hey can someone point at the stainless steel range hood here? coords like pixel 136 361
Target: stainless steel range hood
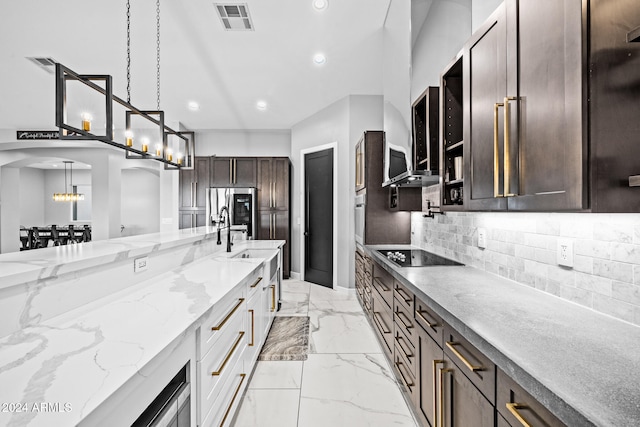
pixel 413 179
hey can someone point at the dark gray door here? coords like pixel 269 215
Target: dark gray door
pixel 318 231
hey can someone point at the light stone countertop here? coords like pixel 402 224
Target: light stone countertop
pixel 86 355
pixel 38 264
pixel 583 365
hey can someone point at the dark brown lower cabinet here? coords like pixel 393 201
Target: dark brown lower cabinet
pixel 274 225
pixel 449 382
pixel 382 318
pixel 517 407
pixel 462 404
pixel 430 358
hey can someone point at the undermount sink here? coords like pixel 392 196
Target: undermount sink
pixel 416 258
pixel 256 253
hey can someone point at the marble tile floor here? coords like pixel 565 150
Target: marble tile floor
pixel 345 381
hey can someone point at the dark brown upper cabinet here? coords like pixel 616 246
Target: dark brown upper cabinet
pixel 451 132
pixel 233 172
pixel 525 144
pixel 425 130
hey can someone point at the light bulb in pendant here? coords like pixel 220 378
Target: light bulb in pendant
pixel 145 144
pixel 128 138
pixel 86 122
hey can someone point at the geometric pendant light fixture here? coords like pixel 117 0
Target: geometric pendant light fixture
pixel 73 91
pixel 68 196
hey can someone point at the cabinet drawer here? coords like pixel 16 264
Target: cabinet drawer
pixel 406 374
pixel 383 284
pixel 254 283
pixel 220 320
pixel 519 407
pixel 429 321
pixel 470 361
pixel 403 295
pixel 221 411
pixel 407 350
pixel 218 363
pixel 382 319
pixel 403 320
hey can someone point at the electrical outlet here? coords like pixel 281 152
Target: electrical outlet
pixel 482 238
pixel 565 252
pixel 140 264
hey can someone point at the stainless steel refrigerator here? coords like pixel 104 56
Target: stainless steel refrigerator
pixel 241 203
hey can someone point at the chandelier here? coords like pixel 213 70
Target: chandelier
pixel 68 196
pixel 145 134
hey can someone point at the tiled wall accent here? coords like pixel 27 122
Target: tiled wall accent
pixel 523 248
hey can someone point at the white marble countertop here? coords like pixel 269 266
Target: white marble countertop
pixel 84 356
pixel 583 365
pixel 25 266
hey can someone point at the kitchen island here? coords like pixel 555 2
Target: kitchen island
pixel 581 365
pixel 92 333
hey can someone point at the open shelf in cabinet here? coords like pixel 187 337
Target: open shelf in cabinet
pixel 451 131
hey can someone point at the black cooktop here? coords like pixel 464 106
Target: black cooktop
pixel 416 258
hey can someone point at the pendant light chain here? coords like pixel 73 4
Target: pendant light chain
pixel 128 52
pixel 158 52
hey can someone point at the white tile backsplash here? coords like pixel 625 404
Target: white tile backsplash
pixel 522 247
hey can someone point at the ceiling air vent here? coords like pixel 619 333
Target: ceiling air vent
pixel 47 64
pixel 234 17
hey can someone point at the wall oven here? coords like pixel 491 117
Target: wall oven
pixel 360 209
pixel 241 203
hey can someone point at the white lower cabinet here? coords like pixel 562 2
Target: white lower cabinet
pixel 228 399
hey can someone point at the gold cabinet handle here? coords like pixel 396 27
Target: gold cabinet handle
pixel 451 346
pixel 228 356
pixel 507 140
pixel 228 316
pixel 513 408
pixel 404 379
pixel 235 171
pixel 273 297
pixel 404 295
pixel 381 285
pixel 258 280
pixel 380 322
pixel 496 155
pixel 252 327
pixel 233 399
pixel 230 171
pixel 420 314
pixel 441 394
pixel 400 340
pixel 195 194
pixel 436 395
pixel 273 194
pixel 406 323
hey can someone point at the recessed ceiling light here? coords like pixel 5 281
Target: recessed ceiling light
pixel 319 59
pixel 261 105
pixel 320 4
pixel 193 106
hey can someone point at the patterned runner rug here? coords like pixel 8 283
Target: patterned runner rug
pixel 288 339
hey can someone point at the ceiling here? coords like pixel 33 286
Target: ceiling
pixel 225 72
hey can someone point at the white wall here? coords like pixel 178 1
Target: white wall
pixel 442 35
pixel 140 201
pixel 481 9
pixel 32 197
pixel 342 122
pixel 241 143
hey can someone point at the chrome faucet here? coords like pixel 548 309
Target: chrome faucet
pixel 226 210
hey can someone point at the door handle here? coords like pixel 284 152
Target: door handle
pixel 496 155
pixel 507 140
